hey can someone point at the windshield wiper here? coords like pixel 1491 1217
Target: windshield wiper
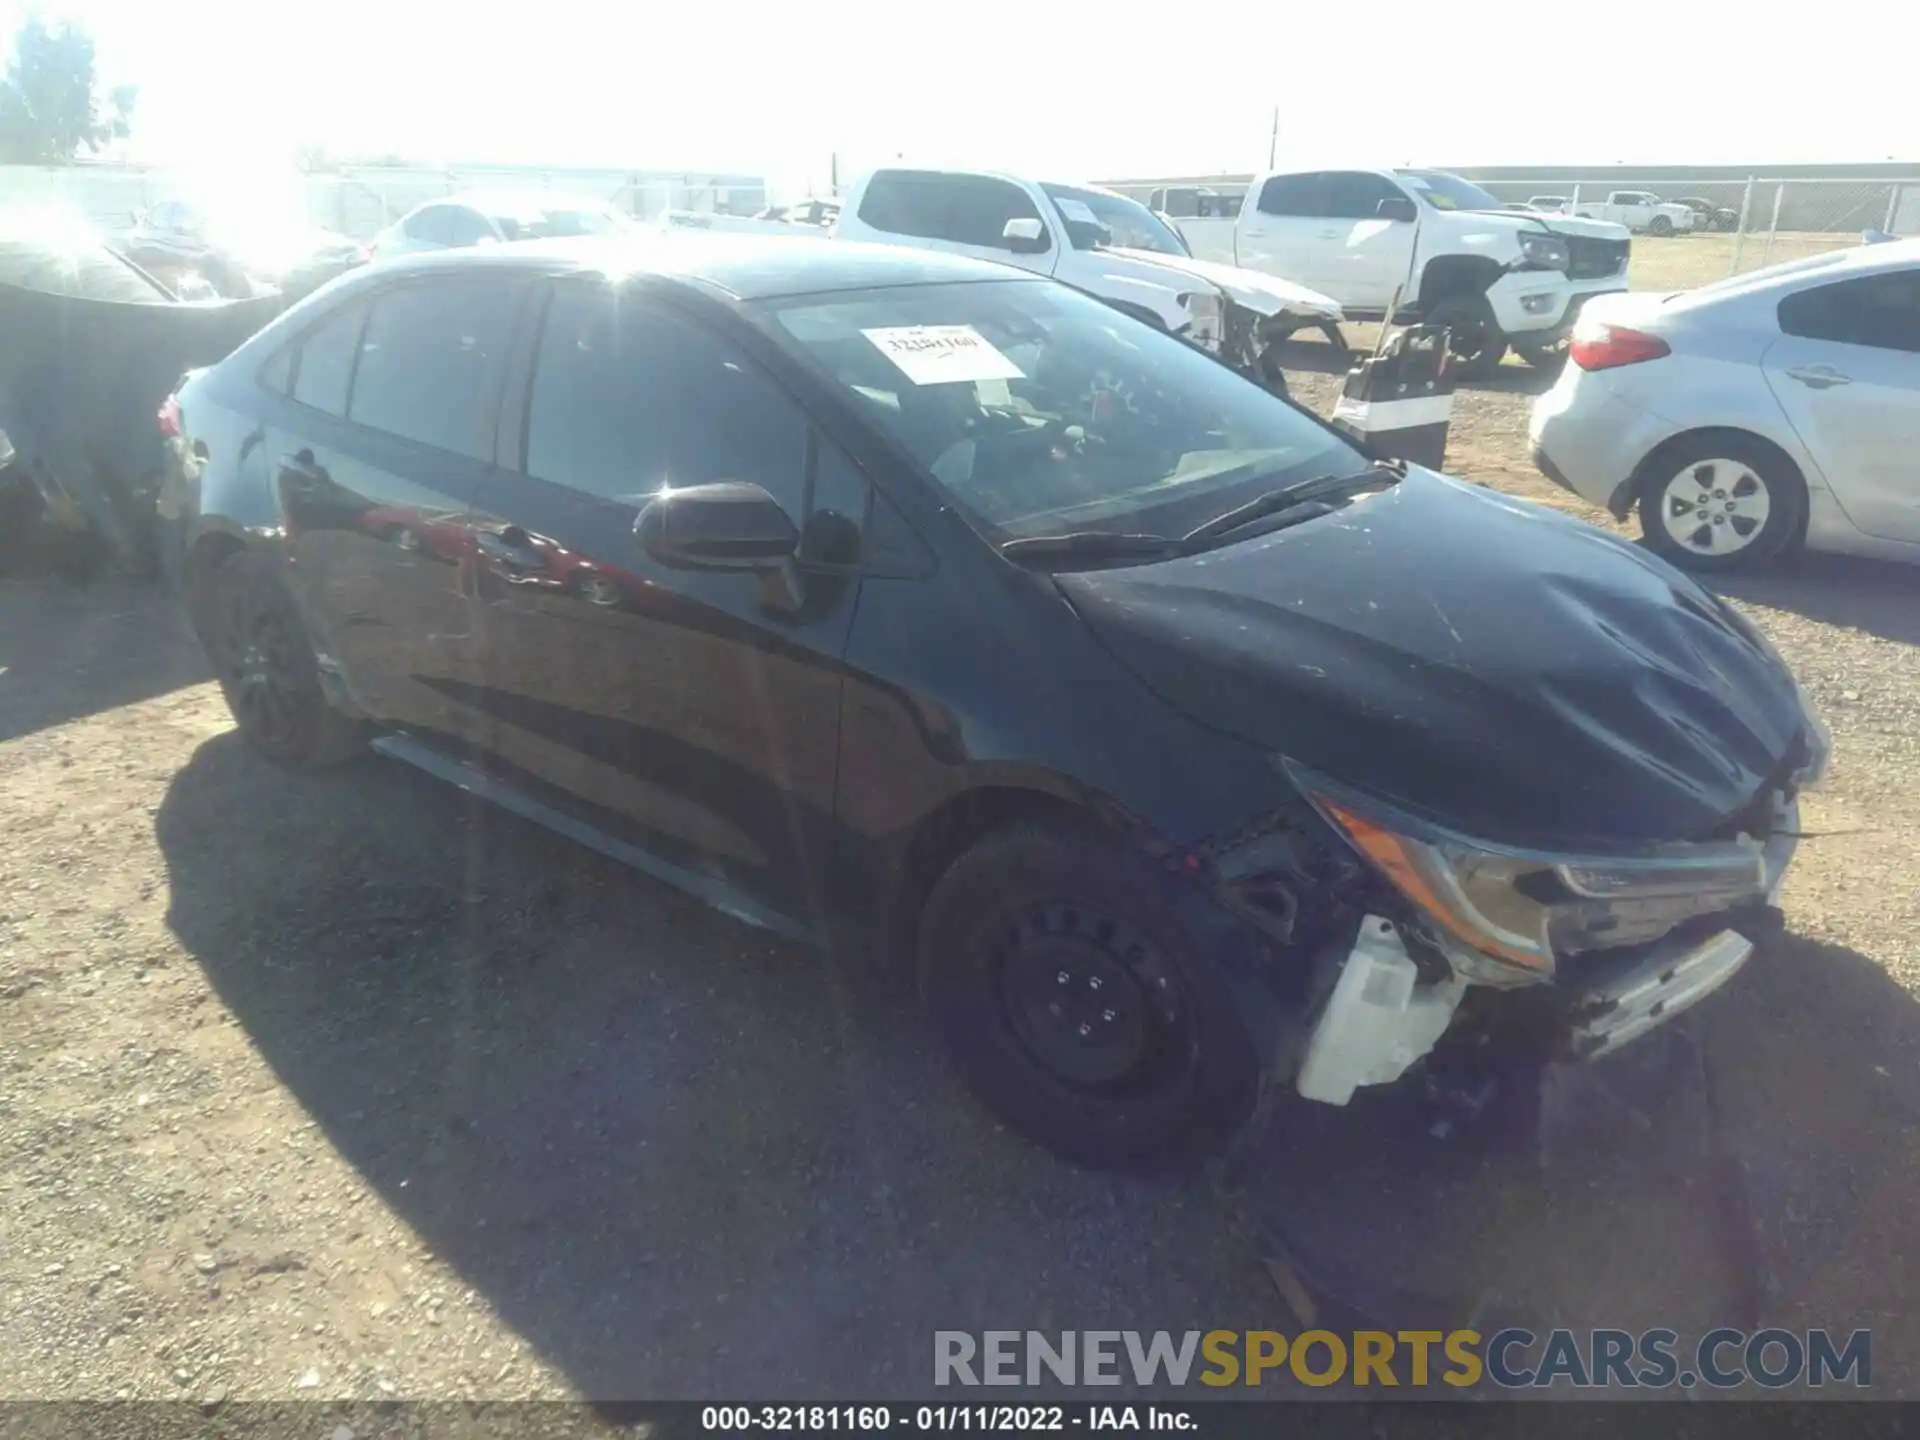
pixel 1090 545
pixel 1287 497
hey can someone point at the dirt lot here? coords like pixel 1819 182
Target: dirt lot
pixel 334 1086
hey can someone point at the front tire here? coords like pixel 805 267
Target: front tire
pixel 1076 1006
pixel 1476 342
pixel 1720 501
pixel 267 670
pixel 1660 225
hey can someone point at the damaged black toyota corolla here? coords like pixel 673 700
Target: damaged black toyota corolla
pixel 1183 749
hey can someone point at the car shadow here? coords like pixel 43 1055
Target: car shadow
pixel 1877 596
pixel 681 1158
pixel 69 650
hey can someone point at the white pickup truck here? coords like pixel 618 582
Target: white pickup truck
pixel 1097 241
pixel 1456 256
pixel 1640 211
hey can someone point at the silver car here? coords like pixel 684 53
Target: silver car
pixel 462 220
pixel 1751 416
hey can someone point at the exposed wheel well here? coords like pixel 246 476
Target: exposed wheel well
pixel 1629 494
pixel 944 835
pixel 1448 275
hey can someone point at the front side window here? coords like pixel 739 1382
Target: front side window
pixel 1447 192
pixel 629 396
pixel 1040 410
pixel 1096 221
pixel 1881 311
pixel 965 209
pixel 430 361
pixel 466 226
pixel 430 226
pixel 323 371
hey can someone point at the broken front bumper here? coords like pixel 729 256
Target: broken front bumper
pixel 1659 985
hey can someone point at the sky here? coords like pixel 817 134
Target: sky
pixel 1120 90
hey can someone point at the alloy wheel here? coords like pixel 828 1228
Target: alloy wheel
pixel 1715 507
pixel 259 664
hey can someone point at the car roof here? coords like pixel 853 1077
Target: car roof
pixel 739 266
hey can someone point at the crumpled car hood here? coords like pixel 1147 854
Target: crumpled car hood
pixel 1501 668
pixel 1265 294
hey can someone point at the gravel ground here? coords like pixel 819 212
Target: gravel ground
pixel 335 1087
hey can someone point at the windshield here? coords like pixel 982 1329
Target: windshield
pixel 1042 411
pixel 1448 192
pixel 1096 221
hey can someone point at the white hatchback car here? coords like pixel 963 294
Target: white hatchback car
pixel 1752 415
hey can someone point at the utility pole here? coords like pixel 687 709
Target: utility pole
pixel 1273 140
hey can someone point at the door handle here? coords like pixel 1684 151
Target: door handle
pixel 1818 377
pixel 1329 234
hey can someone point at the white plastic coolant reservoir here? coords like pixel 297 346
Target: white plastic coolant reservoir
pixel 1378 1020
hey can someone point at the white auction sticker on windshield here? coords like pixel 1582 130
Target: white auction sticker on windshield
pixel 1077 210
pixel 942 354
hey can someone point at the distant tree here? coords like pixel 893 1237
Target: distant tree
pixel 49 110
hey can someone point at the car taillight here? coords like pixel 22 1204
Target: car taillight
pixel 169 417
pixel 1602 347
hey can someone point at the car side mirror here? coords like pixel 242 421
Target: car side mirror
pixel 1025 236
pixel 729 525
pixel 1396 207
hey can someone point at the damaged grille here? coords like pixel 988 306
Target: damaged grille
pixel 1590 258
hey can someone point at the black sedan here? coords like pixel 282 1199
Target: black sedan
pixel 904 602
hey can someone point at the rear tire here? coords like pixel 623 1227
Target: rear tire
pixel 1476 343
pixel 253 634
pixel 1720 500
pixel 1076 1006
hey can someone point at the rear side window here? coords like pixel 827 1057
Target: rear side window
pixel 1292 195
pixel 966 209
pixel 430 363
pixel 628 397
pixel 323 370
pixel 1882 311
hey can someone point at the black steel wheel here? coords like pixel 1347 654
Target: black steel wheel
pixel 1076 1005
pixel 1475 342
pixel 254 637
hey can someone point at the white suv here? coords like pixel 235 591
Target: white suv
pixel 1094 240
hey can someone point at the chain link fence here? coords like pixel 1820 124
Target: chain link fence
pixel 1741 224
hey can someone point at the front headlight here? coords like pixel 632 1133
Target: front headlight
pixel 1548 252
pixel 1501 914
pixel 1206 318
